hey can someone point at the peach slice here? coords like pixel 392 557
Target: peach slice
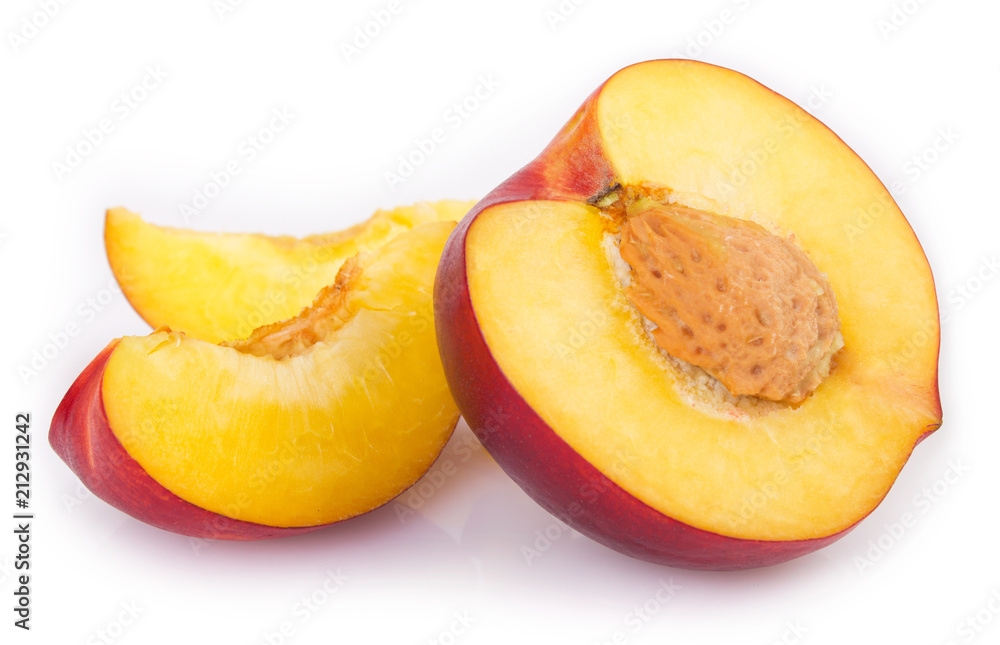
pixel 696 328
pixel 221 286
pixel 306 422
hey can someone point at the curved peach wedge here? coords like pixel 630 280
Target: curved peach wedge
pixel 221 286
pixel 696 328
pixel 306 422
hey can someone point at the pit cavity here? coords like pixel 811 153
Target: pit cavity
pixel 296 336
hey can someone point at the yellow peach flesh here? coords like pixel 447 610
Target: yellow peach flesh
pixel 324 433
pixel 782 473
pixel 222 286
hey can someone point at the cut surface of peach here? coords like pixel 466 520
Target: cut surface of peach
pixel 312 420
pixel 696 327
pixel 642 417
pixel 222 286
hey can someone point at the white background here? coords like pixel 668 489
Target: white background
pixel 889 93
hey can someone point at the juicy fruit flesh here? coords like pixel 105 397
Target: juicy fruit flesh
pixel 309 438
pixel 746 306
pixel 572 346
pixel 810 183
pixel 222 286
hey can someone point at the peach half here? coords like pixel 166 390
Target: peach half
pixel 306 422
pixel 221 286
pixel 696 328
